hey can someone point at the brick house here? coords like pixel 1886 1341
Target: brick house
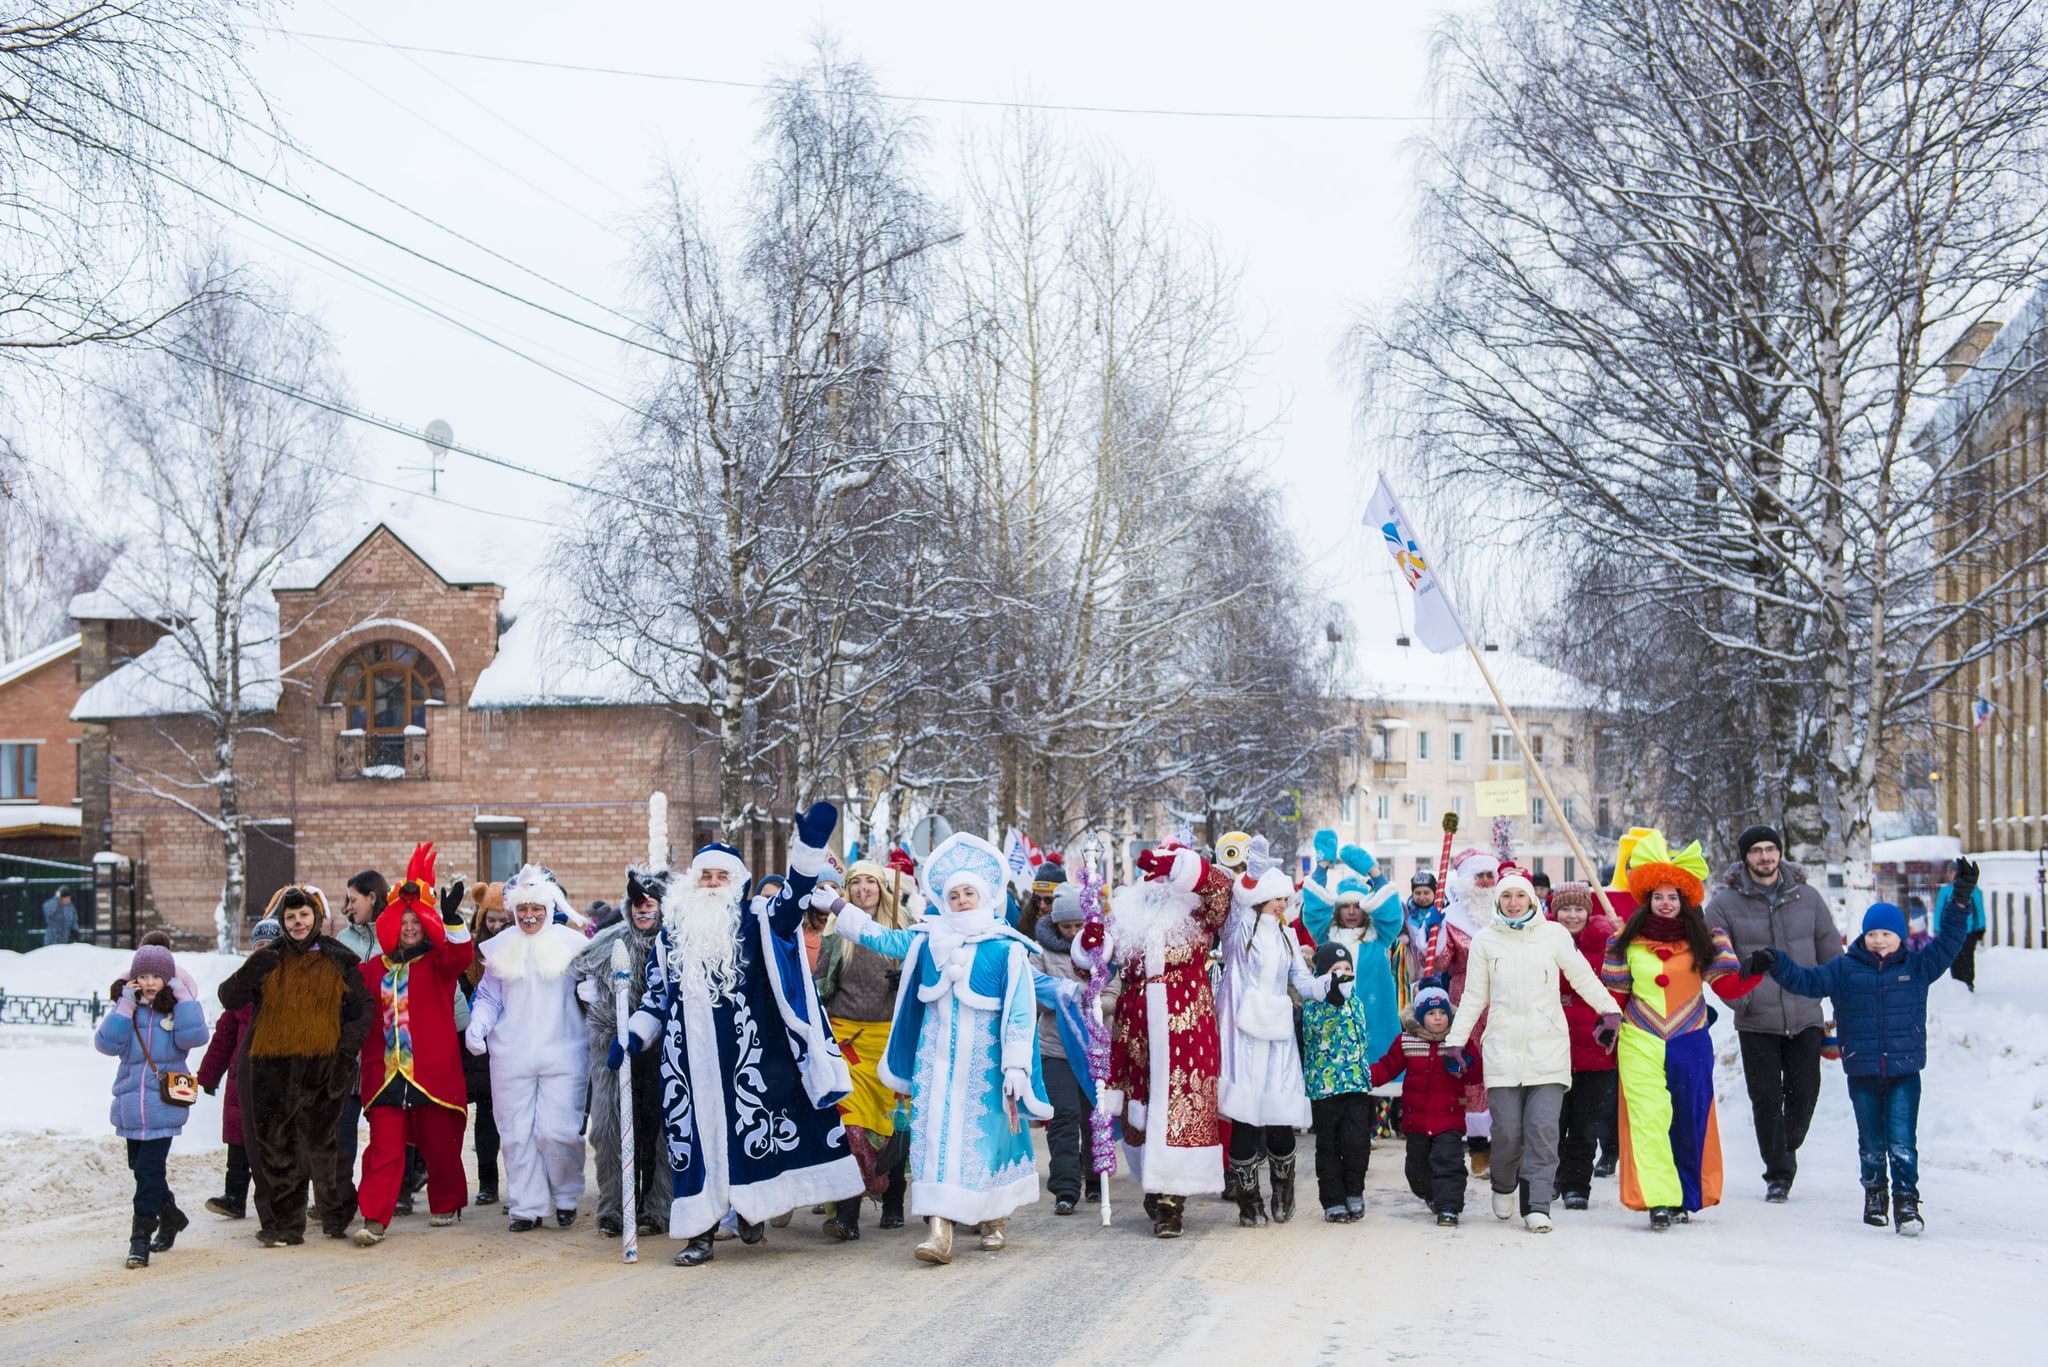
pixel 415 695
pixel 39 753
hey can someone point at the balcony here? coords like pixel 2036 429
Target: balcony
pixel 380 756
pixel 1387 771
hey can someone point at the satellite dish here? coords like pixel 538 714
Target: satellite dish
pixel 440 436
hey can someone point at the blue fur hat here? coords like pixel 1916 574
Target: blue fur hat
pixel 1326 846
pixel 719 855
pixel 1885 916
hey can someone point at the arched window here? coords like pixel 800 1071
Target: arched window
pixel 384 691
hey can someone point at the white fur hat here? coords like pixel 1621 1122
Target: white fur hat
pixel 1270 886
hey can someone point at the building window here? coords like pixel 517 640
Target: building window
pixel 500 847
pixel 1502 748
pixel 1536 864
pixel 1422 808
pixel 1571 810
pixel 18 770
pixel 1571 869
pixel 1348 809
pixel 1539 812
pixel 1457 747
pixel 1422 745
pixel 1571 749
pixel 384 691
pixel 1458 806
pixel 1384 809
pixel 1536 746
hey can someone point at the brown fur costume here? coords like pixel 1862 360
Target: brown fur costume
pixel 297 1066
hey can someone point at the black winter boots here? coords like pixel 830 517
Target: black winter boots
pixel 139 1231
pixel 1876 1207
pixel 1283 1188
pixel 1244 1180
pixel 170 1224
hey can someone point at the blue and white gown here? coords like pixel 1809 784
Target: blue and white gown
pixel 966 1011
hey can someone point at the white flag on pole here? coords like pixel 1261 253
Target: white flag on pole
pixel 1017 857
pixel 1436 625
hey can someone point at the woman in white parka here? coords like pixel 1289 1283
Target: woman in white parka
pixel 1259 1087
pixel 1513 975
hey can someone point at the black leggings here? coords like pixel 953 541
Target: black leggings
pixel 1245 1141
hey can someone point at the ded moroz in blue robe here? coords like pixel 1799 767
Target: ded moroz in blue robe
pixel 750 1084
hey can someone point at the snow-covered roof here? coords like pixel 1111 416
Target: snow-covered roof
pixel 23 665
pixel 536 666
pixel 1412 673
pixel 164 681
pixel 1916 849
pixel 454 547
pixel 17 820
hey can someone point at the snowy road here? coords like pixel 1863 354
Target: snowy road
pixel 1746 1282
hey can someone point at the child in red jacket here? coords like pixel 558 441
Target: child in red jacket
pixel 1432 1105
pixel 1589 1107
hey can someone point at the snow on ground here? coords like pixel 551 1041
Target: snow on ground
pixel 1748 1282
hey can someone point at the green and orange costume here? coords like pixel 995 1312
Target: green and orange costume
pixel 1670 1139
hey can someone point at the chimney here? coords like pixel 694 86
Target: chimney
pixel 1963 355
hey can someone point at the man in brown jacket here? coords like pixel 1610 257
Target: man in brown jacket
pixel 1763 900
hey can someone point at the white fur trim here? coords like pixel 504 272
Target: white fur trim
pixel 719 859
pixel 1187 870
pixel 798 1188
pixel 644 1027
pixel 1271 886
pixel 805 860
pixel 458 934
pixel 1168 1171
pixel 1110 1100
pixel 1135 1116
pixel 965 1206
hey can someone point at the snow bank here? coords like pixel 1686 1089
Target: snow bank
pixel 88 970
pixel 1984 1094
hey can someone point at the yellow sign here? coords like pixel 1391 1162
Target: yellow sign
pixel 1503 797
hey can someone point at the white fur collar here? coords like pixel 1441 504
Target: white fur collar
pixel 548 954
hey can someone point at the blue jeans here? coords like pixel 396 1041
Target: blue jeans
pixel 1887 1127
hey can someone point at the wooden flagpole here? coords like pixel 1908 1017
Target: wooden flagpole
pixel 1536 767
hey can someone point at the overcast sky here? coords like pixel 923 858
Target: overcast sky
pixel 549 167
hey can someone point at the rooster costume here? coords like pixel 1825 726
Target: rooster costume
pixel 1164 1052
pixel 414 1091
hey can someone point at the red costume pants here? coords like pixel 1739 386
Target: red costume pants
pixel 436 1132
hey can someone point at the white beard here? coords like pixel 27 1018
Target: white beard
pixel 1152 914
pixel 703 927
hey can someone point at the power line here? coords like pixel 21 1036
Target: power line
pixel 1033 105
pixel 335 470
pixel 346 410
pixel 578 167
pixel 465 145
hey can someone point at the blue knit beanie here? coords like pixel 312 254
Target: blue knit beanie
pixel 1430 999
pixel 1885 916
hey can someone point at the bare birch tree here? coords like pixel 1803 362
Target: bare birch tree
pixel 1691 275
pixel 226 480
pixel 750 554
pixel 99 104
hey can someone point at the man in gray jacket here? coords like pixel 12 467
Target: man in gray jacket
pixel 60 919
pixel 1762 901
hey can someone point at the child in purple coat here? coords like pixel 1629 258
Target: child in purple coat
pixel 155 1022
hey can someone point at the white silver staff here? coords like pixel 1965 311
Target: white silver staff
pixel 622 979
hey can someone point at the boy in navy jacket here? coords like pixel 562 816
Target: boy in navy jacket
pixel 1880 992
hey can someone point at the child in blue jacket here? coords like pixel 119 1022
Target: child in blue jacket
pixel 1879 989
pixel 154 1024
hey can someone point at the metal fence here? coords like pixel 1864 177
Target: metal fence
pixel 106 896
pixel 2015 919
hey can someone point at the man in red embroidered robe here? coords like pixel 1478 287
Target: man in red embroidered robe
pixel 1164 1053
